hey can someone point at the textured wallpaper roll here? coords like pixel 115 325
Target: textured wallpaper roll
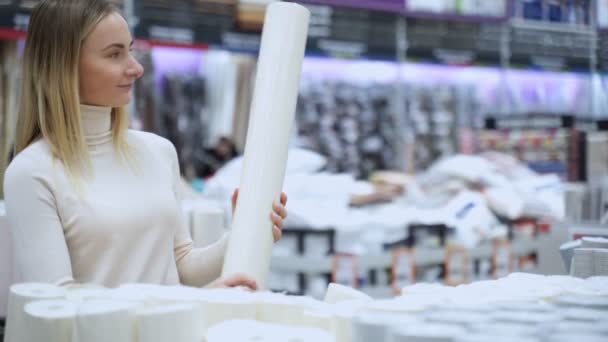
pixel 103 321
pixel 19 296
pixel 272 116
pixel 49 320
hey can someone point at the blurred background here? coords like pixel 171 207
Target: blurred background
pixel 435 140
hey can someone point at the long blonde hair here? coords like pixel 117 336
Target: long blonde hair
pixel 50 101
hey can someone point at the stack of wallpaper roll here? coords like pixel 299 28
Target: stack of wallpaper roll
pixel 586 257
pixel 520 307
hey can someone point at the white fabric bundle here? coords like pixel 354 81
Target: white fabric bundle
pixel 20 295
pixel 49 321
pixel 505 201
pixel 252 331
pixel 175 323
pixel 338 293
pixel 104 320
pixel 272 115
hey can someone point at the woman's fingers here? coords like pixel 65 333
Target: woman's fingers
pixel 277 220
pixel 276 233
pixel 240 280
pixel 279 210
pixel 235 196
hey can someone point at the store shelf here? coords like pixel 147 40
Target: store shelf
pixel 546 26
pixel 423 257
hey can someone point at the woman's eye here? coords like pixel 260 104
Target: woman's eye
pixel 115 55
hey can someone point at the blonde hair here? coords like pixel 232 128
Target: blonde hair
pixel 50 101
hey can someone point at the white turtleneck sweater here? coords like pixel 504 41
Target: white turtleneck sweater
pixel 125 226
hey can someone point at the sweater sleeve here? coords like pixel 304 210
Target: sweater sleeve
pixel 195 266
pixel 39 245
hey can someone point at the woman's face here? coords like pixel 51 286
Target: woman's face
pixel 107 69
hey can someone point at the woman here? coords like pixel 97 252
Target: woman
pixel 88 200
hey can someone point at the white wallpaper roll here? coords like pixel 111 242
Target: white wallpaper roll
pixel 223 305
pixel 319 319
pixel 338 293
pixel 281 309
pixel 426 333
pixel 49 321
pixel 105 320
pixel 207 225
pixel 272 116
pixel 253 331
pixel 174 323
pixel 19 296
pixel 81 295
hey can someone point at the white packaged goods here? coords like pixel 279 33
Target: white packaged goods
pixel 272 115
pixel 520 307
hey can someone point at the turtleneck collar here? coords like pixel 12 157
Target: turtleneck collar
pixel 97 124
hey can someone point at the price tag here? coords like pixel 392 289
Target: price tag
pixel 502 260
pixel 403 268
pixel 456 265
pixel 344 270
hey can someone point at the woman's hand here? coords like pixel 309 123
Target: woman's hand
pixel 235 280
pixel 277 215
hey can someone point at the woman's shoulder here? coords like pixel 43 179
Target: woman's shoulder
pixel 152 142
pixel 32 161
